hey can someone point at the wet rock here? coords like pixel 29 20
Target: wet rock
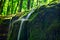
pixel 46 25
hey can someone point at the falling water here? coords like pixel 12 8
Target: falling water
pixel 26 17
pixel 22 21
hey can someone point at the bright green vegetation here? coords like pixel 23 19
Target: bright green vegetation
pixel 10 8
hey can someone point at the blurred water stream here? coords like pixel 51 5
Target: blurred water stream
pixel 22 21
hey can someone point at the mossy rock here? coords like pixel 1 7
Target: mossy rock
pixel 46 25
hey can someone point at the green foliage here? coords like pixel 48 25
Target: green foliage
pixel 10 7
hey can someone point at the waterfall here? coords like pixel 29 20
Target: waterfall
pixel 20 29
pixel 21 24
pixel 22 21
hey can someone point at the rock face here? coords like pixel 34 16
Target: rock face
pixel 46 25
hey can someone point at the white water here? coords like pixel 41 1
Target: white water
pixel 21 24
pixel 26 17
pixel 20 30
pixel 22 21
